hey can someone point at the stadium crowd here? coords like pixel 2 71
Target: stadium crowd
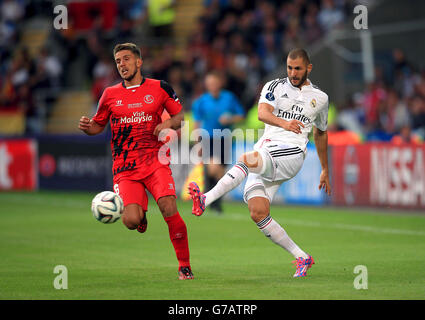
pixel 392 108
pixel 246 40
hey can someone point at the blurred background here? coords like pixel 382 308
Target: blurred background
pixel 375 79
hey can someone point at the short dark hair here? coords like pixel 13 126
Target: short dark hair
pixel 299 53
pixel 128 46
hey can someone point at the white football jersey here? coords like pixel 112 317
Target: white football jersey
pixel 308 105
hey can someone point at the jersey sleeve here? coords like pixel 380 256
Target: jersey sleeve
pixel 321 121
pixel 103 111
pixel 171 101
pixel 267 94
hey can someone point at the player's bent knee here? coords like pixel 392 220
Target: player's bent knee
pixel 258 210
pixel 258 215
pixel 131 216
pixel 167 205
pixel 249 158
pixel 130 222
pixel 252 160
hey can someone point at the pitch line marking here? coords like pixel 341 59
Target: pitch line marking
pixel 15 198
pixel 339 226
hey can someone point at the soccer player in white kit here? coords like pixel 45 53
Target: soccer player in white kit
pixel 290 108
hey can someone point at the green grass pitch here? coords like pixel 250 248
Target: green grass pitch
pixel 230 257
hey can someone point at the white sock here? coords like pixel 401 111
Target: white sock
pixel 278 235
pixel 228 182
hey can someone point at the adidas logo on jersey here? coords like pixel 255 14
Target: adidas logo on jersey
pixel 285 96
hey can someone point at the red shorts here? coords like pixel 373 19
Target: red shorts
pixel 159 183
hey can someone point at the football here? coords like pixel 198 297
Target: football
pixel 107 207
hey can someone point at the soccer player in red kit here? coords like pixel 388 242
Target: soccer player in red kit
pixel 134 108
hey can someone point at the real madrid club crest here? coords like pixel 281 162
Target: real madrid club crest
pixel 313 103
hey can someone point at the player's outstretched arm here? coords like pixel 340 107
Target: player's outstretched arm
pixel 321 140
pixel 265 114
pixel 89 127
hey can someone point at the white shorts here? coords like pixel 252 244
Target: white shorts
pixel 281 162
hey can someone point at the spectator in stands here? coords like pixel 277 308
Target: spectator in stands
pixel 20 73
pixel 216 54
pixel 209 18
pixel 393 113
pixel 11 13
pixel 161 17
pixel 417 111
pixel 312 30
pixel 404 77
pixel 243 39
pixel 247 27
pixel 12 10
pixel 268 52
pixel 420 85
pixel 227 26
pixel 175 79
pixel 7 34
pixel 338 136
pixel 135 10
pixel 400 63
pixel 406 136
pixel 7 93
pixel 104 75
pixel 137 14
pixel 164 61
pixel 235 7
pixel 372 98
pixel 48 70
pixel 329 15
pixel 350 115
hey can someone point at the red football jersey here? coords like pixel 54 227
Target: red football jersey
pixel 133 113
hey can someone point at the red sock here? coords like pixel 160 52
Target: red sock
pixel 178 236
